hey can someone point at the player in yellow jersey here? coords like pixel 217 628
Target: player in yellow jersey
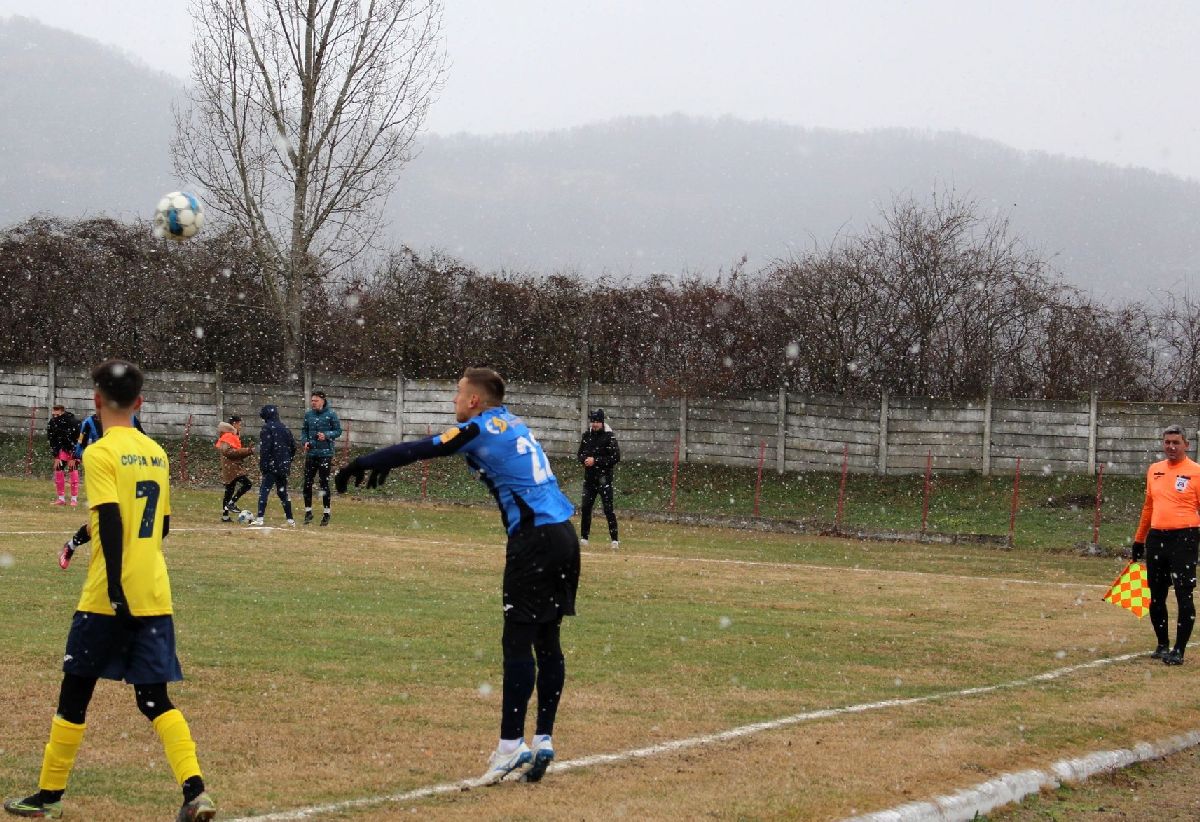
pixel 122 628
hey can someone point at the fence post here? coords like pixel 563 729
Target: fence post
pixel 183 451
pixel 1093 422
pixel 681 442
pixel 837 525
pixel 219 392
pixel 400 407
pixel 781 433
pixel 308 385
pixel 883 433
pixel 987 435
pixel 762 456
pixel 1099 498
pixel 29 451
pixel 928 483
pixel 425 466
pixel 1016 494
pixel 584 401
pixel 674 473
pixel 52 383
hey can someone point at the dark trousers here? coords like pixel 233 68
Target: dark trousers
pixel 597 482
pixel 1171 563
pixel 315 467
pixel 279 482
pixel 234 491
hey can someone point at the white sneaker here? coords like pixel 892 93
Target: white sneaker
pixel 291 523
pixel 582 541
pixel 507 766
pixel 543 755
pixel 256 521
pixel 615 545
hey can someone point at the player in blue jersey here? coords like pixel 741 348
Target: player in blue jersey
pixel 541 569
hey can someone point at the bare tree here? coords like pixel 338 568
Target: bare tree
pixel 303 112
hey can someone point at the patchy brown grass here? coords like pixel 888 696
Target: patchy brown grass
pixel 327 665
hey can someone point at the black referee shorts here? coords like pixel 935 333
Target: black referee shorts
pixel 541 573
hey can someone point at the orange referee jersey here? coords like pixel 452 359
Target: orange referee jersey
pixel 1172 498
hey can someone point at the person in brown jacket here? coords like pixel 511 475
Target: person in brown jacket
pixel 233 473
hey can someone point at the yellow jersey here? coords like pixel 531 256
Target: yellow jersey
pixel 128 468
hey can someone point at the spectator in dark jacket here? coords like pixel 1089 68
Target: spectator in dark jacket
pixel 599 454
pixel 61 431
pixel 276 448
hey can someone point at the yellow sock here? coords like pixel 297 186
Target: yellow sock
pixel 177 744
pixel 59 757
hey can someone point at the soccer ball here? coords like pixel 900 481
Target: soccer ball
pixel 245 517
pixel 179 216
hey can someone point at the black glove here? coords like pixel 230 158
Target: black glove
pixel 355 471
pixel 1139 551
pixel 121 608
pixel 341 480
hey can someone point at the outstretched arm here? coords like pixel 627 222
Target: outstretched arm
pixel 380 462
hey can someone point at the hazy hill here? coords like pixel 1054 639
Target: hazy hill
pixel 85 131
pixel 663 194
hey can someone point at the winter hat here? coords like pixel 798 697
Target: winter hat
pixel 235 418
pixel 597 415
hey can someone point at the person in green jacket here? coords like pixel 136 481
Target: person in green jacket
pixel 321 427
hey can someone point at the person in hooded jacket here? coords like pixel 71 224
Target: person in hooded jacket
pixel 233 472
pixel 62 430
pixel 276 448
pixel 599 454
pixel 321 427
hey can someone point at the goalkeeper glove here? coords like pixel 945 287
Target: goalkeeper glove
pixel 355 471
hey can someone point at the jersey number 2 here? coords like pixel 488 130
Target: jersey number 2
pixel 537 458
pixel 149 490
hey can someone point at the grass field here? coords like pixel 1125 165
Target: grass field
pixel 362 662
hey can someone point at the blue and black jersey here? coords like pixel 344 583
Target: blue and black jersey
pixel 91 429
pixel 503 454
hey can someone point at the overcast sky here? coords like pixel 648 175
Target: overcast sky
pixel 1110 81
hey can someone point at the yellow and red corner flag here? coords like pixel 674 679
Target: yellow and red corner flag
pixel 1130 591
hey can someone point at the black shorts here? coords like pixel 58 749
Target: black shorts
pixel 100 647
pixel 541 573
pixel 1171 558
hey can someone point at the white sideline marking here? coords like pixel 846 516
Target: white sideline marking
pixel 749 563
pixel 967 803
pixel 700 741
pixel 809 567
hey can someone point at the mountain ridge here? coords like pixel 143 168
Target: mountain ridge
pixel 633 197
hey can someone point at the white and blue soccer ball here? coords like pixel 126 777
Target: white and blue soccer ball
pixel 245 517
pixel 179 216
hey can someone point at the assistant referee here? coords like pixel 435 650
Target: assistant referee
pixel 1168 535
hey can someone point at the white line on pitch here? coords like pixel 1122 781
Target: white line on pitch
pixel 969 803
pixel 748 563
pixel 754 563
pixel 691 742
